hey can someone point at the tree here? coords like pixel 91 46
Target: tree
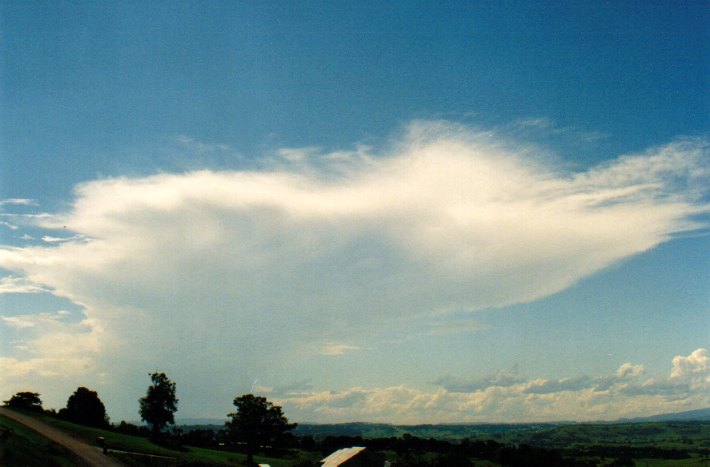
pixel 25 401
pixel 257 422
pixel 159 404
pixel 85 407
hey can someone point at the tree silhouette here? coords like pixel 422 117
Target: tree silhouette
pixel 257 422
pixel 25 401
pixel 159 404
pixel 85 407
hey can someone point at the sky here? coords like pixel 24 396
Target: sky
pixel 411 212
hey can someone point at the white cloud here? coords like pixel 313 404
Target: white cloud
pixel 51 239
pixel 50 347
pixel 16 221
pixel 502 378
pixel 543 386
pixel 625 373
pixel 11 284
pixel 627 370
pixel 695 365
pixel 334 349
pixel 17 202
pixel 34 320
pixel 331 247
pixel 503 397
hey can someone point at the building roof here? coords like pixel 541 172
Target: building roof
pixel 341 455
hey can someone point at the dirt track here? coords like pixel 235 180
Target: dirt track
pixel 91 455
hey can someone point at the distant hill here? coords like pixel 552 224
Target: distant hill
pixel 451 432
pixel 700 415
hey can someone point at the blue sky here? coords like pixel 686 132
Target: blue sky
pixel 409 212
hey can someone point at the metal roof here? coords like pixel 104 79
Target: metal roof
pixel 340 456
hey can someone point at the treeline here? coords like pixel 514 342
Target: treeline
pixel 256 426
pixel 83 407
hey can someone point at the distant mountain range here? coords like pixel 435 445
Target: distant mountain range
pixel 700 415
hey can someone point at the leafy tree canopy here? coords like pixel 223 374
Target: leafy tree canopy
pixel 25 401
pixel 158 406
pixel 85 407
pixel 257 422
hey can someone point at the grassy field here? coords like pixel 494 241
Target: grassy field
pixel 24 447
pixel 27 441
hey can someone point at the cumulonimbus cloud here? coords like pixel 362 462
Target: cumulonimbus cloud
pixel 446 219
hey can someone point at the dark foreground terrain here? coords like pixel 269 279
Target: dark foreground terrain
pixel 669 443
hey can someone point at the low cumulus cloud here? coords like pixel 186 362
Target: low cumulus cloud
pixel 626 372
pixel 505 396
pixel 695 365
pixel 502 378
pixel 446 219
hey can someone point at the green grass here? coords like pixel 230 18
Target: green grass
pixel 117 441
pixel 26 448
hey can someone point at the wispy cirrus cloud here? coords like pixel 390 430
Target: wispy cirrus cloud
pixel 17 202
pixel 446 219
pixel 546 126
pixel 199 146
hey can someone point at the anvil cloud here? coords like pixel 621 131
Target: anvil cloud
pixel 279 260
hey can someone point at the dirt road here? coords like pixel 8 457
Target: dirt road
pixel 86 452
